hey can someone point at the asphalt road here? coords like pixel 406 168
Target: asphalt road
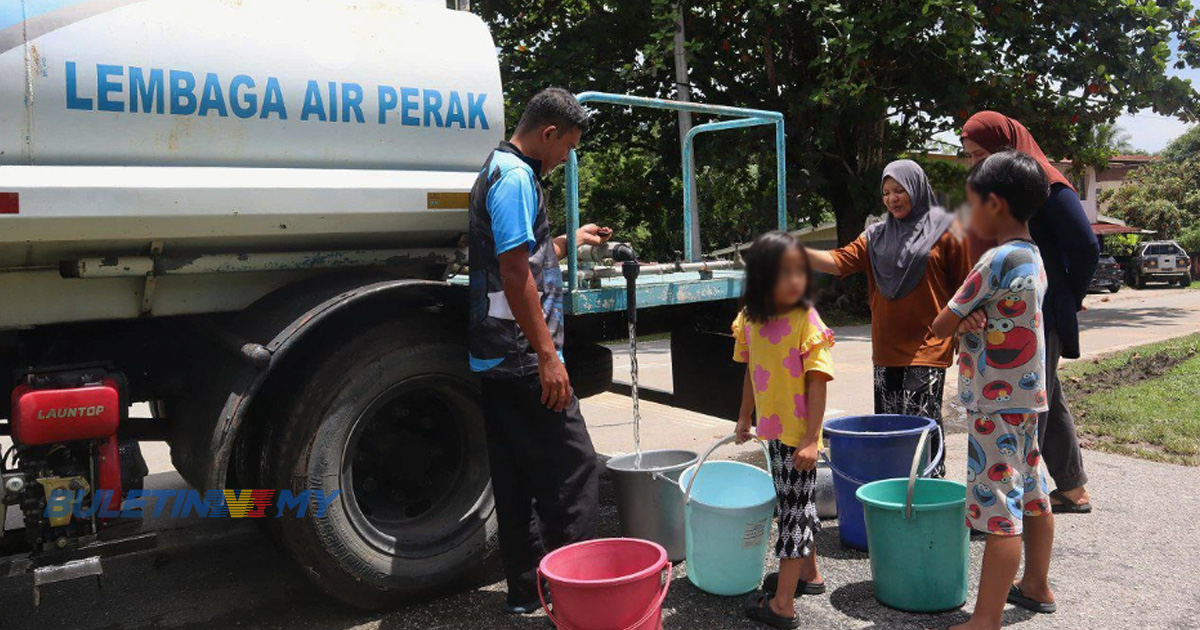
pixel 1111 322
pixel 1130 564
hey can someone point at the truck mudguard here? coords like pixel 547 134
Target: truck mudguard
pixel 206 428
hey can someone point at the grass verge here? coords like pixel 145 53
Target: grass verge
pixel 1144 401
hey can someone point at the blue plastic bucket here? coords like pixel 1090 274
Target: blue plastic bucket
pixel 863 449
pixel 727 523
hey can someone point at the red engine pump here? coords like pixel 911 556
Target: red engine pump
pixel 72 406
pixel 52 414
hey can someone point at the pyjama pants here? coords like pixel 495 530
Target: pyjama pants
pixel 797 510
pixel 1004 482
pixel 914 390
pixel 1056 427
pixel 544 477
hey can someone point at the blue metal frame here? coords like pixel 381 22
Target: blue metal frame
pixel 582 300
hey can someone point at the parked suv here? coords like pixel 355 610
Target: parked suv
pixel 1108 275
pixel 1160 261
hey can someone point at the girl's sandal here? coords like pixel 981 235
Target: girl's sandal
pixel 1066 506
pixel 758 608
pixel 1017 598
pixel 771 584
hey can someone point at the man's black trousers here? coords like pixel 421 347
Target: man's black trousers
pixel 544 476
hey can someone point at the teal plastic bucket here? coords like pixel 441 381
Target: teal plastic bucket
pixel 919 540
pixel 728 508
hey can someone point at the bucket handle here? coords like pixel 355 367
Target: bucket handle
pixel 933 463
pixel 719 443
pixel 912 474
pixel 838 471
pixel 654 607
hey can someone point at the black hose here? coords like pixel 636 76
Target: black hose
pixel 630 270
pixel 622 252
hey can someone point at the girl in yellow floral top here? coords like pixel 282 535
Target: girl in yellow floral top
pixel 785 347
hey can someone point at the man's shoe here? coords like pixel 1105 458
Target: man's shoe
pixel 522 609
pixel 527 608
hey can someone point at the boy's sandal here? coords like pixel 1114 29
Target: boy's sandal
pixel 758 608
pixel 1017 598
pixel 1066 506
pixel 771 584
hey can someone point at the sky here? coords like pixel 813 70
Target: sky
pixel 1149 131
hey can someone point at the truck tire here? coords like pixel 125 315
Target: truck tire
pixel 590 367
pixel 391 419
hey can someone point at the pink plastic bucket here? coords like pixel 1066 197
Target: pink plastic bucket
pixel 607 584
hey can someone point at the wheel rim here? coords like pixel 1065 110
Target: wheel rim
pixel 413 468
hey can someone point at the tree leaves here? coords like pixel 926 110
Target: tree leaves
pixel 859 82
pixel 1164 195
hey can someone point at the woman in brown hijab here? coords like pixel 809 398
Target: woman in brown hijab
pixel 1070 252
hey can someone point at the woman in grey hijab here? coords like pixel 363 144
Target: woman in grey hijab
pixel 915 259
pixel 900 245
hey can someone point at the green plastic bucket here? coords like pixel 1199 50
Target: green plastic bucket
pixel 917 532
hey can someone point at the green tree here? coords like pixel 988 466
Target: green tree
pixel 1098 145
pixel 946 176
pixel 1190 240
pixel 1120 245
pixel 859 82
pixel 1185 146
pixel 1112 137
pixel 1164 195
pixel 1160 215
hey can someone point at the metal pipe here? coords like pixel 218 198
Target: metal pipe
pixel 781 174
pixel 689 175
pixel 749 117
pixel 572 186
pixel 607 253
pixel 661 269
pixel 684 90
pixel 662 103
pixel 172 265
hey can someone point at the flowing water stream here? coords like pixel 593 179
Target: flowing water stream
pixel 633 390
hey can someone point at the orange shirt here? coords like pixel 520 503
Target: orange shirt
pixel 901 332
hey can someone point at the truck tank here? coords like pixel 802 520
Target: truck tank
pixel 264 83
pixel 190 128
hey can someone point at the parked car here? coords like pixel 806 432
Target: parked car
pixel 1159 261
pixel 1108 275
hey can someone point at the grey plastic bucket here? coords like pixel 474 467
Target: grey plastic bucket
pixel 826 495
pixel 648 497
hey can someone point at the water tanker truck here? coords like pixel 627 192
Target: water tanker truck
pixel 251 216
